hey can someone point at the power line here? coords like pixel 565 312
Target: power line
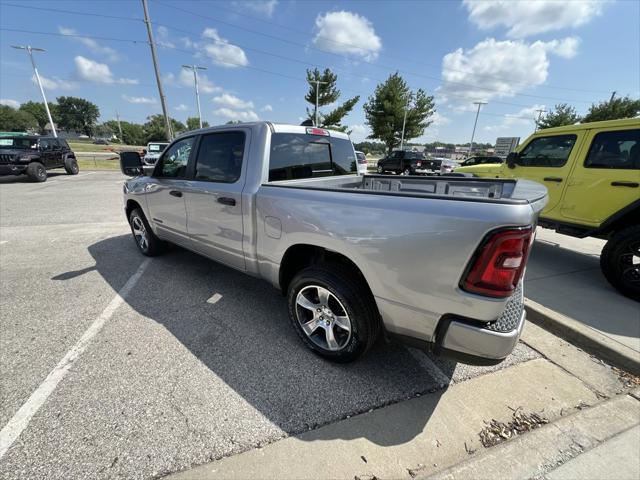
pixel 71 12
pixel 58 34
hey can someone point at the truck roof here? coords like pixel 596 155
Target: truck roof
pixel 275 128
pixel 623 122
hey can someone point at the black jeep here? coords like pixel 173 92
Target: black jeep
pixel 33 156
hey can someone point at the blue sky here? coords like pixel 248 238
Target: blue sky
pixel 518 56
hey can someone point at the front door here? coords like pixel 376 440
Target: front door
pixel 214 197
pixel 166 192
pixel 607 180
pixel 547 159
pixel 45 147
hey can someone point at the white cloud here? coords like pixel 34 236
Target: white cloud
pixel 140 100
pixel 494 69
pixel 204 84
pixel 438 120
pixel 10 103
pixel 358 133
pixel 526 116
pixel 267 108
pixel 93 71
pixel 181 108
pixel 347 32
pixel 221 52
pixel 91 44
pixel 266 7
pixel 231 101
pixel 525 18
pixel 242 115
pixel 54 83
pixel 162 37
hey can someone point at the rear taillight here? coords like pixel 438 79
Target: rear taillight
pixel 362 160
pixel 497 266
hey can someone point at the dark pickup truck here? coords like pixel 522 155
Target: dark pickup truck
pixel 33 156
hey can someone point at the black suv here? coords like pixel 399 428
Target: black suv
pixel 401 161
pixel 35 155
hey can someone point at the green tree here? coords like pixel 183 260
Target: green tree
pixel 613 109
pixel 12 120
pixel 385 111
pixel 155 130
pixel 563 114
pixel 77 114
pixel 193 123
pixel 327 93
pixel 132 133
pixel 37 110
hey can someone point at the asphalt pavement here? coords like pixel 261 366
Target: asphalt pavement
pixel 193 361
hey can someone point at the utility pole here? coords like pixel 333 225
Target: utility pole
pixel 318 83
pixel 404 123
pixel 195 69
pixel 152 44
pixel 540 112
pixel 613 95
pixel 119 126
pixel 30 51
pixel 473 134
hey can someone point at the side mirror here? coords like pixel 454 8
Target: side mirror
pixel 131 164
pixel 512 159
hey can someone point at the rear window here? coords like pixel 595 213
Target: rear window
pixel 299 155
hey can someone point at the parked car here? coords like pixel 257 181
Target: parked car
pixel 592 171
pixel 100 141
pixel 153 151
pixel 362 163
pixel 33 156
pixel 479 164
pixel 447 166
pixel 283 203
pixel 401 161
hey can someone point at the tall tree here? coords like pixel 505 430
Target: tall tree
pixel 193 123
pixel 132 133
pixel 37 110
pixel 155 130
pixel 623 107
pixel 385 111
pixel 77 114
pixel 12 120
pixel 328 93
pixel 563 114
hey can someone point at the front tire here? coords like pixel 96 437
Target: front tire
pixel 36 172
pixel 406 171
pixel 620 261
pixel 71 166
pixel 380 170
pixel 333 312
pixel 143 236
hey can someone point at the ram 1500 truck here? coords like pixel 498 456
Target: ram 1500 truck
pixel 435 261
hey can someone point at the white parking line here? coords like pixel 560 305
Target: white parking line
pixel 4 241
pixel 21 419
pixel 214 298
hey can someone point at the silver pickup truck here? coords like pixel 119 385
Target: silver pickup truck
pixel 435 261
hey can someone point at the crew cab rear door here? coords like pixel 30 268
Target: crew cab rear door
pixel 214 196
pixel 606 178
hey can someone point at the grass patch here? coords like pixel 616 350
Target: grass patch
pixel 90 147
pixel 99 164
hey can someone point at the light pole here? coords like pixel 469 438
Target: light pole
pixel 30 51
pixel 195 69
pixel 540 112
pixel 152 44
pixel 473 134
pixel 318 83
pixel 404 123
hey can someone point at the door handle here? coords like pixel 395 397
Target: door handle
pixel 175 193
pixel 227 201
pixel 552 179
pixel 625 184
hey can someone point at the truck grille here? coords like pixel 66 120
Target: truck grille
pixel 6 158
pixel 509 318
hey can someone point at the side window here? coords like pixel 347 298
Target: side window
pixel 298 156
pixel 343 156
pixel 57 144
pixel 470 161
pixel 547 151
pixel 176 158
pixel 617 150
pixel 220 157
pixel 45 144
pixel 64 144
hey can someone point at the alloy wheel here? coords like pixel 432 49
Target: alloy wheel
pixel 140 233
pixel 323 318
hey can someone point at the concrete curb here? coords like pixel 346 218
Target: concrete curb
pixel 583 336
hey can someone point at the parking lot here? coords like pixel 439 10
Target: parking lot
pixel 196 363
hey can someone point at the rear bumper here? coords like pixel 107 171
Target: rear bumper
pixel 12 169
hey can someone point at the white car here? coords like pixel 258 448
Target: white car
pixel 362 163
pixel 153 151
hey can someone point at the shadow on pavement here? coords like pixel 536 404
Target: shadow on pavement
pixel 246 340
pixel 7 179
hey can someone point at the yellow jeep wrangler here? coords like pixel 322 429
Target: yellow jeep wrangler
pixel 592 172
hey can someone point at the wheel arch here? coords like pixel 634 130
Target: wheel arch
pixel 627 217
pixel 130 206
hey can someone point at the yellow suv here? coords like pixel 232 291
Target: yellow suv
pixel 592 172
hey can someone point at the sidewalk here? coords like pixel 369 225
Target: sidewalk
pixel 563 274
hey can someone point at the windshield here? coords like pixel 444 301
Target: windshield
pixel 17 142
pixel 157 147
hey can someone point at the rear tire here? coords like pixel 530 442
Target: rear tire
pixel 143 236
pixel 406 171
pixel 620 261
pixel 380 170
pixel 36 172
pixel 348 302
pixel 71 166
